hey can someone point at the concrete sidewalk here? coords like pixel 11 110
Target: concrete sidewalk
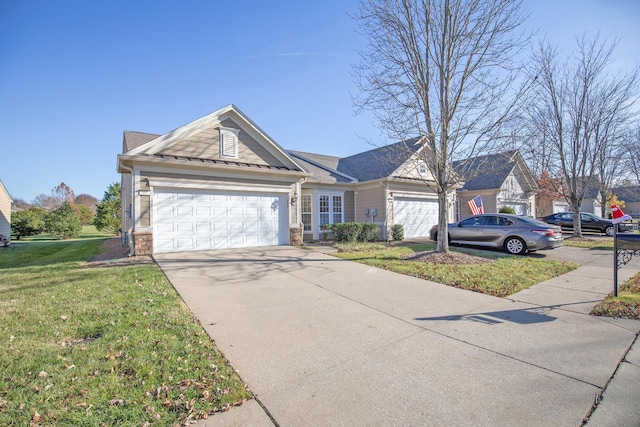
pixel 322 341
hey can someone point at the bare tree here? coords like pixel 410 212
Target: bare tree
pixel 21 204
pixel 442 71
pixel 631 149
pixel 63 193
pixel 578 111
pixel 46 202
pixel 87 201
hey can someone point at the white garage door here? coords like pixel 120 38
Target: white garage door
pixel 192 220
pixel 417 216
pixel 519 208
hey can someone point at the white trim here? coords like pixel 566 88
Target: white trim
pixel 217 185
pixel 212 120
pixel 156 164
pixel 232 151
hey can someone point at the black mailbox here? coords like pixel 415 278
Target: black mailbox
pixel 629 241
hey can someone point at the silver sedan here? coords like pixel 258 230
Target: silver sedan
pixel 515 234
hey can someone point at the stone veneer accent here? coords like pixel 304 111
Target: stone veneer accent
pixel 295 236
pixel 143 243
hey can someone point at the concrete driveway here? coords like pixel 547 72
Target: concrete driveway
pixel 323 341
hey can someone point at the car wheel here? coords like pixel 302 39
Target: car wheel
pixel 515 246
pixel 609 230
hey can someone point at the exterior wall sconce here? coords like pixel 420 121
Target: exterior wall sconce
pixel 294 199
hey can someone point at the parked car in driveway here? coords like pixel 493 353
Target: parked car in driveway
pixel 515 234
pixel 588 222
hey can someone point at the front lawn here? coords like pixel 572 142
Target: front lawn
pixel 101 346
pixel 503 276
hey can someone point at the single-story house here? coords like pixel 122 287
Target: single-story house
pixel 591 202
pixel 222 182
pixel 386 185
pixel 502 179
pixel 5 215
pixel 631 197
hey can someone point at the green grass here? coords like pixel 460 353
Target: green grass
pixel 101 346
pixel 502 277
pixel 587 243
pixel 626 304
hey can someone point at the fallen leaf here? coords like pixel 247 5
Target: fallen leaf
pixel 36 419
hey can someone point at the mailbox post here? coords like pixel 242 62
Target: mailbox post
pixel 625 246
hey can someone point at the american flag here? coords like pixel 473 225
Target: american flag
pixel 475 205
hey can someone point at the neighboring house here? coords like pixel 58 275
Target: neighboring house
pixel 631 198
pixel 591 202
pixel 5 215
pixel 222 182
pixel 501 179
pixel 387 185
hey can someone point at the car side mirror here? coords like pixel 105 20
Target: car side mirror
pixel 460 224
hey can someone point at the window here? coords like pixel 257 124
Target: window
pixel 323 203
pixel 474 221
pixel 330 209
pixel 337 209
pixel 229 142
pixel 422 168
pixel 305 208
pixel 504 222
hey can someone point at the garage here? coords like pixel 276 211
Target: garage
pixel 416 215
pixel 189 220
pixel 519 208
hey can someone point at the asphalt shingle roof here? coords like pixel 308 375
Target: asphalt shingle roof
pixel 628 194
pixel 486 172
pixel 133 140
pixel 367 166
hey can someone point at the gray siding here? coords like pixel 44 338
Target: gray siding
pixel 349 203
pixel 370 198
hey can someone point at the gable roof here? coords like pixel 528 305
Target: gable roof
pixel 628 194
pixel 152 145
pixel 490 171
pixel 370 165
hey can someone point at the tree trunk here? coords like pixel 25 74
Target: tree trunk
pixel 577 228
pixel 443 223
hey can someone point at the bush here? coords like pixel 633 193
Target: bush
pixel 507 210
pixel 28 222
pixel 369 232
pixel 346 231
pixel 86 215
pixel 397 232
pixel 63 222
pixel 108 211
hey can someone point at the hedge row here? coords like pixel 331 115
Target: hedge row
pixel 354 231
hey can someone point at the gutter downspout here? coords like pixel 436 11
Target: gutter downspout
pixel 123 208
pixel 387 212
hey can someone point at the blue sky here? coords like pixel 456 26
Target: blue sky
pixel 75 74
